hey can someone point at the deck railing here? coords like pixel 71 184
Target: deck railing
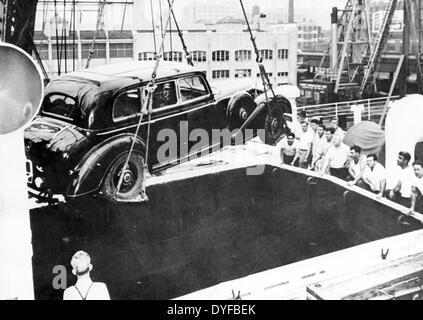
pixel 372 111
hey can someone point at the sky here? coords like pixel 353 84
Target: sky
pixel 317 10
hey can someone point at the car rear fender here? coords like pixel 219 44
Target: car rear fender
pixel 91 171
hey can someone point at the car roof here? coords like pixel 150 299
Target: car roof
pixel 90 84
pixel 135 69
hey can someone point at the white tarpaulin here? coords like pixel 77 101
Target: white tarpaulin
pixel 403 128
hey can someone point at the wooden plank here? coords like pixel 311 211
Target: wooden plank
pixel 384 281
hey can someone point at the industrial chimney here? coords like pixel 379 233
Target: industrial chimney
pixel 291 11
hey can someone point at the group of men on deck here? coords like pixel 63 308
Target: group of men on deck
pixel 313 146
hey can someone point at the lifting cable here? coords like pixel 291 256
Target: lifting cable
pixel 64 38
pixel 74 34
pixel 259 59
pixel 57 37
pixel 171 39
pixel 146 109
pixel 154 28
pixel 181 36
pixel 124 16
pixel 101 5
pixel 161 17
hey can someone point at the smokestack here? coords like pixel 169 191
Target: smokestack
pixel 291 11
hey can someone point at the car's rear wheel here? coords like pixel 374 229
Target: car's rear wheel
pixel 132 180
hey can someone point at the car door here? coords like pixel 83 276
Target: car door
pixel 196 99
pixel 167 120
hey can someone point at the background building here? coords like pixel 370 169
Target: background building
pixel 310 36
pixel 230 55
pixel 223 49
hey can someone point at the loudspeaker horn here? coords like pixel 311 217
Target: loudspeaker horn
pixel 21 88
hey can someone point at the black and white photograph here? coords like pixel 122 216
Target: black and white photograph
pixel 194 150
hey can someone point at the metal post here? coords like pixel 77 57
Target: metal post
pixel 368 109
pixel 406 52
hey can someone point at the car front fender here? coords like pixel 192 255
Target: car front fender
pixel 91 171
pixel 256 118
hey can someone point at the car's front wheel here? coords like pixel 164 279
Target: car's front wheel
pixel 274 123
pixel 132 178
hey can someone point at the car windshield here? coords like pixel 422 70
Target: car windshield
pixel 62 106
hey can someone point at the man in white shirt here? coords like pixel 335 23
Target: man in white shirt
pixel 374 176
pixel 297 130
pixel 357 165
pixel 304 146
pixel 417 187
pixel 318 146
pixel 85 288
pixel 336 159
pixel 404 177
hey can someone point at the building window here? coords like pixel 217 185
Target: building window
pixel 242 73
pixel 121 50
pixel 146 56
pixel 269 74
pixel 266 54
pixel 173 56
pixel 283 54
pixel 316 97
pixel 243 55
pixel 69 52
pixel 199 56
pixel 220 55
pixel 99 51
pixel 282 74
pixel 219 74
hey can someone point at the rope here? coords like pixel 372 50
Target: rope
pixel 161 17
pixel 170 38
pixel 259 59
pixel 74 35
pixel 147 108
pixel 124 15
pixel 101 4
pixel 64 29
pixel 154 27
pixel 57 39
pixel 184 46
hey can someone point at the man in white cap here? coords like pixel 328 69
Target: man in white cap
pixel 85 288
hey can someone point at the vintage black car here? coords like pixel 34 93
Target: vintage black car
pixel 79 142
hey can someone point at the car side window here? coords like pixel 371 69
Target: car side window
pixel 192 88
pixel 127 104
pixel 164 95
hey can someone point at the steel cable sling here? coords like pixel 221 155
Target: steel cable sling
pixel 101 4
pixel 181 36
pixel 147 109
pixel 259 59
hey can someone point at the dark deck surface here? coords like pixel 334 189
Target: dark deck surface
pixel 196 233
